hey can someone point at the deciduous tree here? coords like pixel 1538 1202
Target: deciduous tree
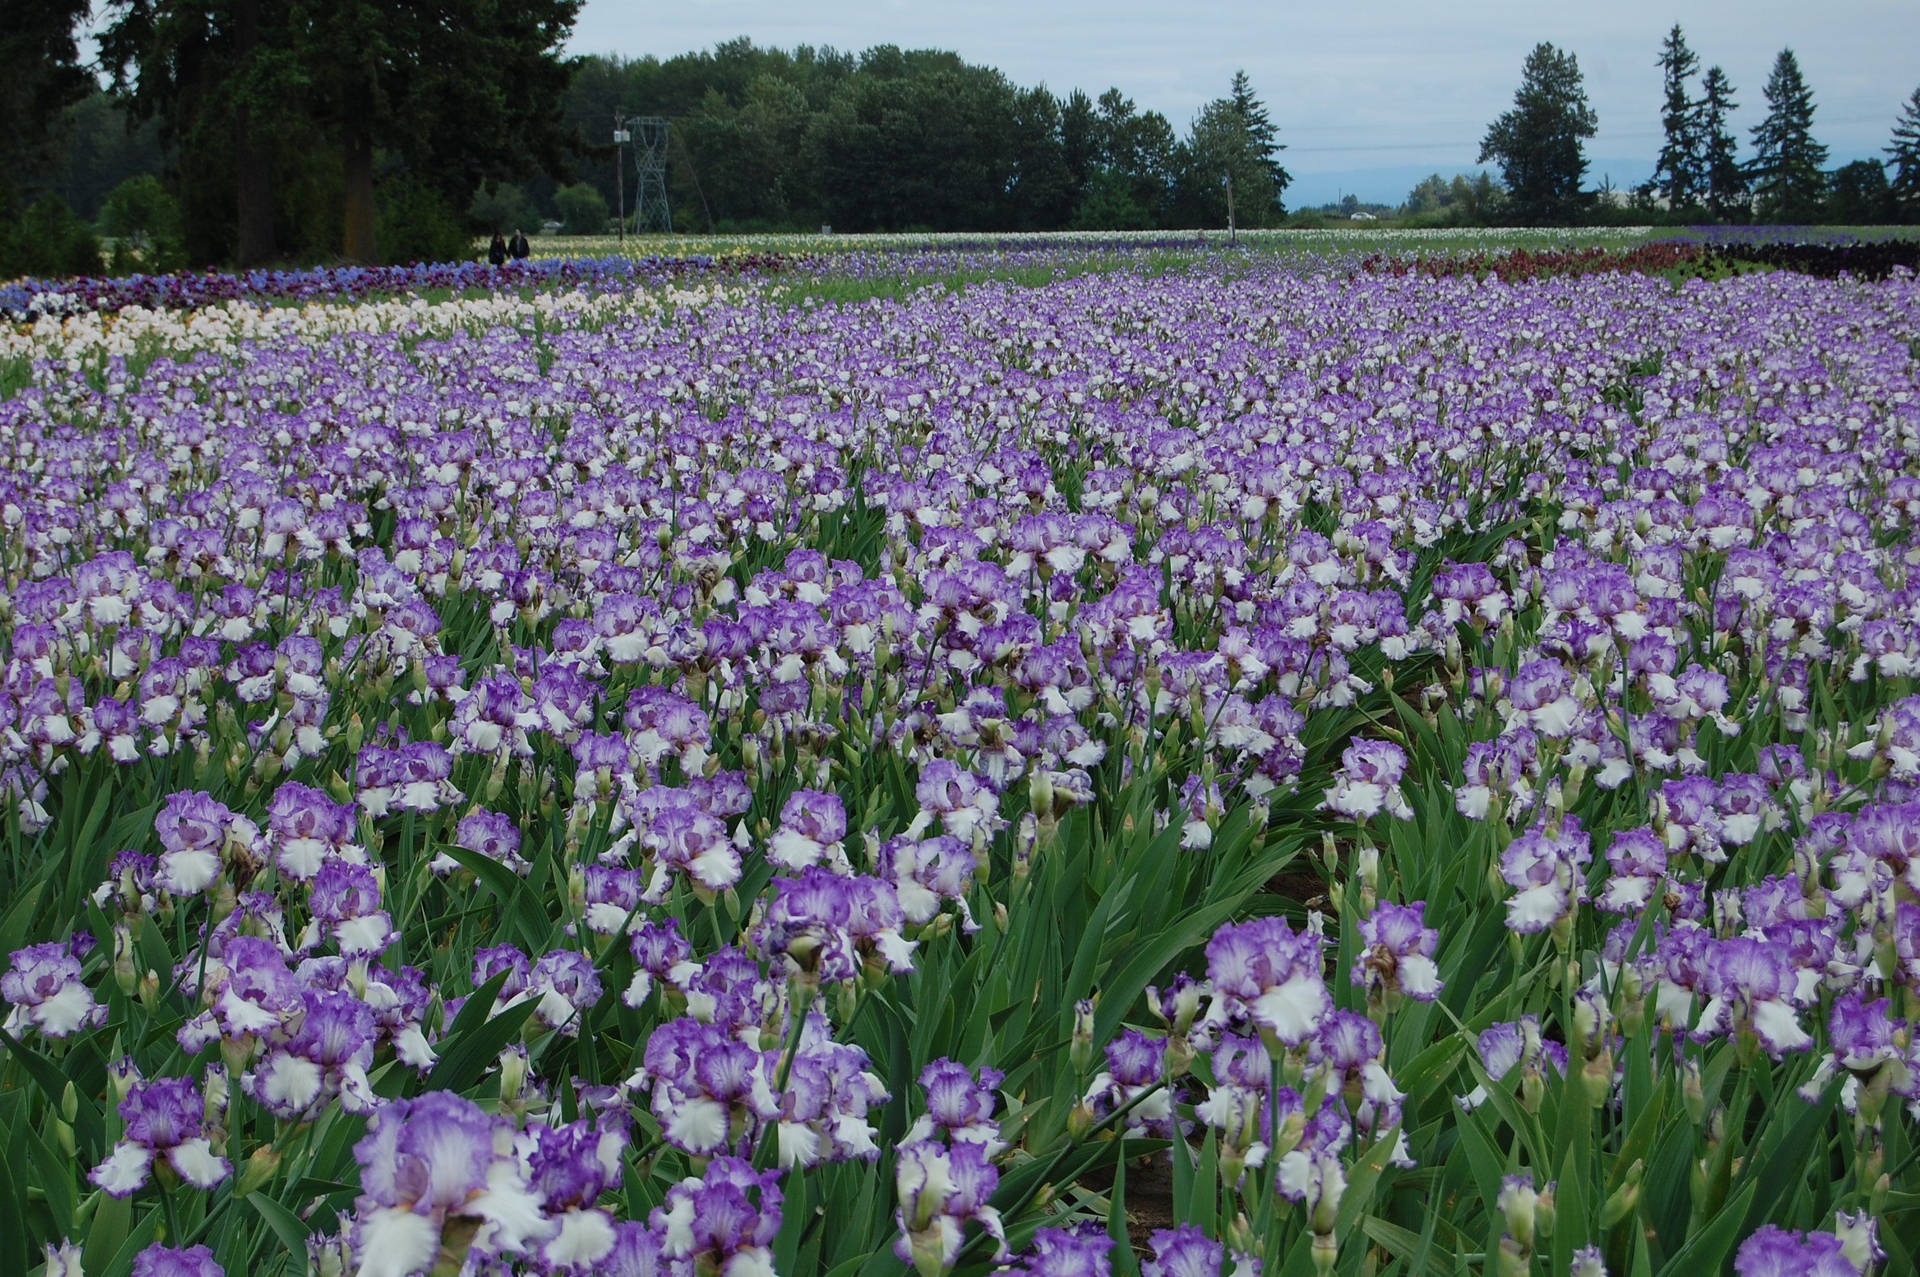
pixel 1857 195
pixel 450 92
pixel 1227 169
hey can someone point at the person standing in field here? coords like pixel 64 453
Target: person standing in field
pixel 497 250
pixel 519 247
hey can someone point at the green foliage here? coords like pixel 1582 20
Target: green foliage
pixel 1724 180
pixel 257 96
pixel 1260 130
pixel 40 74
pixel 1903 154
pixel 1462 201
pixel 582 210
pixel 1110 204
pixel 48 240
pixel 899 148
pixel 143 214
pixel 1538 143
pixel 1226 168
pixel 102 145
pixel 1678 174
pixel 500 206
pixel 890 140
pixel 417 224
pixel 1858 195
pixel 1042 189
pixel 1787 176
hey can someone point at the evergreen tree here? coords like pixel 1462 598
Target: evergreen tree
pixel 1677 173
pixel 1226 164
pixel 1723 181
pixel 40 75
pixel 1261 132
pixel 1904 153
pixel 1788 165
pixel 1538 142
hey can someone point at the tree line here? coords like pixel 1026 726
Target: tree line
pixel 1539 146
pixel 895 139
pixel 370 130
pixel 354 130
pixel 249 132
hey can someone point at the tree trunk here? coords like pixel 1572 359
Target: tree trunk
pixel 253 165
pixel 253 188
pixel 360 246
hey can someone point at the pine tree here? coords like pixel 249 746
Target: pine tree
pixel 1678 173
pixel 1260 130
pixel 1538 141
pixel 1723 181
pixel 1788 165
pixel 1905 160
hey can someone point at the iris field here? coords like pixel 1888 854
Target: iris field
pixel 1140 759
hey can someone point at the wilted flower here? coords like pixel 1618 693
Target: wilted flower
pixel 197 834
pixel 1503 1048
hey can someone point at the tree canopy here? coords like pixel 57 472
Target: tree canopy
pixel 1903 156
pixel 1787 169
pixel 377 129
pixel 1724 180
pixel 1677 173
pixel 422 100
pixel 1538 143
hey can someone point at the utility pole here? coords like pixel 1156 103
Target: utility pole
pixel 1230 231
pixel 620 136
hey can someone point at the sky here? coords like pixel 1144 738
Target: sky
pixel 1368 96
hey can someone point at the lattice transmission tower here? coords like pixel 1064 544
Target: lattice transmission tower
pixel 651 212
